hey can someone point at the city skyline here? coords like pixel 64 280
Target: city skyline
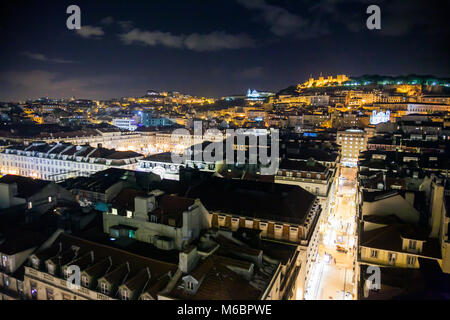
pixel 123 50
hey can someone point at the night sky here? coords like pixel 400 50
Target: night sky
pixel 211 48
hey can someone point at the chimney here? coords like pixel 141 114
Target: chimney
pixel 188 259
pixel 142 206
pixel 436 203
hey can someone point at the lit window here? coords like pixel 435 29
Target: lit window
pixel 4 261
pixel 411 260
pixel 374 254
pixel 30 205
pixel 49 199
pixel 412 244
pixel 33 290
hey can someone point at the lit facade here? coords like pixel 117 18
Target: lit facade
pixel 60 161
pixel 352 142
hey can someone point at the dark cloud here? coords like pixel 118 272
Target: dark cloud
pixel 90 32
pixel 251 73
pixel 196 42
pixel 107 20
pixel 44 58
pixel 39 83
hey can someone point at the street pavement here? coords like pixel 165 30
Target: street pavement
pixel 332 277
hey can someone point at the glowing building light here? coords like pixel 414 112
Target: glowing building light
pixel 380 117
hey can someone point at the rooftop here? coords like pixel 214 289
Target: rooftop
pixel 272 201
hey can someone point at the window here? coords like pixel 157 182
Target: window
pixel 293 233
pixel 50 295
pixel 33 290
pixel 104 288
pixel 374 254
pixel 392 257
pixel 4 261
pixel 190 285
pixel 51 268
pixel 278 231
pixel 412 244
pixel 6 280
pixel 234 223
pixel 411 260
pixel 30 205
pixel 20 287
pixel 125 294
pixel 49 199
pixel 67 273
pixel 85 281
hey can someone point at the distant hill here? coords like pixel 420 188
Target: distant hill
pixel 380 80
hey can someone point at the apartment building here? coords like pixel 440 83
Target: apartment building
pixel 352 142
pixel 268 207
pixel 311 176
pixel 250 273
pixel 110 273
pixel 60 161
pixel 126 123
pixel 161 164
pixel 16 245
pixel 166 221
pixel 31 194
pixel 107 273
pixel 102 187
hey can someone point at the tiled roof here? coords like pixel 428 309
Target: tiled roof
pixel 272 201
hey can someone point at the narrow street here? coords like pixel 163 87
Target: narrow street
pixel 332 275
